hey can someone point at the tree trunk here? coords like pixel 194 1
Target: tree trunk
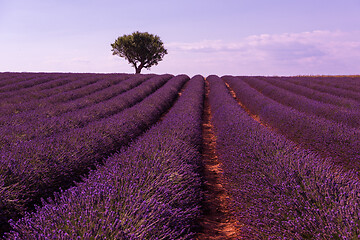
pixel 138 69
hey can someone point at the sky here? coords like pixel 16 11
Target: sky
pixel 222 37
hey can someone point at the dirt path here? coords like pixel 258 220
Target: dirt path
pixel 217 222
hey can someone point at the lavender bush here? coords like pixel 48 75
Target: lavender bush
pixel 278 190
pixel 7 78
pixel 150 190
pixel 77 87
pixel 283 82
pixel 47 125
pixel 324 136
pixel 341 82
pixel 27 84
pixel 327 89
pixel 135 156
pixel 55 105
pixel 35 169
pixel 303 104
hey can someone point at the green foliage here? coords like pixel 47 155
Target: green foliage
pixel 142 50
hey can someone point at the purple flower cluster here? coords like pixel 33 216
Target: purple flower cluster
pixel 36 168
pixel 132 144
pixel 20 94
pixel 279 191
pixel 56 105
pixel 149 190
pixel 46 126
pixel 303 104
pixel 346 93
pixel 7 78
pixel 30 83
pixel 283 82
pixel 327 137
pixel 341 82
pixel 76 87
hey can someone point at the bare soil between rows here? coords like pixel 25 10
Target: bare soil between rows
pixel 217 221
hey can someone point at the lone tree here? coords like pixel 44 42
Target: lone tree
pixel 142 50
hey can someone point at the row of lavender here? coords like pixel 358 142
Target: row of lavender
pixel 350 117
pixel 279 191
pixel 349 82
pixel 323 97
pixel 46 95
pixel 30 225
pixel 327 137
pixel 110 101
pixel 340 87
pixel 150 190
pixel 12 82
pixel 41 86
pixel 81 97
pixel 7 78
pixel 34 169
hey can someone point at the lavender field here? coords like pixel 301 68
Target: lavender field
pixel 121 156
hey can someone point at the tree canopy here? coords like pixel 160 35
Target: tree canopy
pixel 141 49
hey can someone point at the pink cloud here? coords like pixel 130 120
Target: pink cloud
pixel 316 52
